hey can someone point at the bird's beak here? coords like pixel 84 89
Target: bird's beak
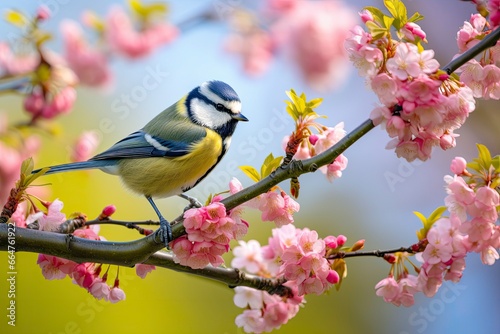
pixel 239 117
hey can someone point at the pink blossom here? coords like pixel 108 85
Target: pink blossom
pixel 491 82
pixel 412 30
pixel 278 207
pixel 125 39
pixel 458 165
pixel 17 63
pixel 365 56
pixel 334 170
pixel 51 220
pixel 143 269
pixel 58 96
pixel 454 272
pixel 248 256
pixel 86 233
pixel 366 15
pixel 405 62
pixel 84 275
pixel 42 13
pixel 244 296
pixel 494 10
pixel 282 6
pixel 409 286
pixel 115 295
pixel 256 47
pixel 100 290
pixel 385 87
pixel 85 146
pixel 315 32
pixel 489 255
pixel 460 195
pixel 197 255
pixel 466 36
pixel 55 267
pixel 388 289
pixel 251 321
pixel 89 63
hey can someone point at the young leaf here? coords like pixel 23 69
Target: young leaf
pixel 484 156
pixel 16 18
pixel 251 172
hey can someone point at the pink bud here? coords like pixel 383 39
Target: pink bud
pixel 109 210
pixel 458 165
pixel 331 242
pixel 358 245
pixel 42 13
pixel 365 15
pixel 341 239
pixel 390 258
pixel 313 139
pixel 447 141
pixel 332 277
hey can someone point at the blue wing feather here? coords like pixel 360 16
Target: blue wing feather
pixel 136 145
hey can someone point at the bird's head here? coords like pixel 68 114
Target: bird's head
pixel 215 105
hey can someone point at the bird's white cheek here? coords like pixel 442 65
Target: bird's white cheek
pixel 207 115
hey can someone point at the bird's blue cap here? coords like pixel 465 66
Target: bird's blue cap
pixel 223 90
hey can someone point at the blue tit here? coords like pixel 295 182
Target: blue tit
pixel 176 149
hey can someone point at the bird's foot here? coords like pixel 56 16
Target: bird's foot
pixel 166 230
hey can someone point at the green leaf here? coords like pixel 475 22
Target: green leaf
pixel 251 172
pixel 16 18
pixel 269 165
pixel 146 10
pixel 416 17
pixel 378 15
pixel 484 156
pixel 398 11
pixel 428 221
pixel 388 21
pixel 27 166
pixel 436 214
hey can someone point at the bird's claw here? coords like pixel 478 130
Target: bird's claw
pixel 166 230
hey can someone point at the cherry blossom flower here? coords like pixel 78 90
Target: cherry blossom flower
pixel 248 256
pixel 100 290
pixel 89 63
pixel 51 220
pixel 125 39
pixel 143 269
pixel 278 207
pixel 116 295
pixel 14 63
pixel 314 34
pixel 54 267
pixel 85 146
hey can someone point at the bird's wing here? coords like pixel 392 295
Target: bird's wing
pixel 143 145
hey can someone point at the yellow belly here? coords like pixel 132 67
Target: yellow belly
pixel 163 177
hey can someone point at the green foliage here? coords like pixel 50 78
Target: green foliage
pixel 16 18
pixel 381 25
pixel 144 11
pixel 429 221
pixel 268 166
pixel 299 108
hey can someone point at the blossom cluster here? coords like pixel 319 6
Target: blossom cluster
pixel 86 275
pixel 298 256
pixel 209 230
pixel 54 77
pixel 471 227
pixel 483 75
pixel 275 206
pixel 310 32
pixel 318 143
pixel 421 106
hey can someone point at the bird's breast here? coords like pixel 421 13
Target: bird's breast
pixel 164 176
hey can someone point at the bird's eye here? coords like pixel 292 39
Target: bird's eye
pixel 219 107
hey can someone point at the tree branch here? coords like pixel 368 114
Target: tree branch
pixel 377 253
pixel 489 41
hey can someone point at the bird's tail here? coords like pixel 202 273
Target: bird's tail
pixel 91 164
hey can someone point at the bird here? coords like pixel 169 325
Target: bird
pixel 174 151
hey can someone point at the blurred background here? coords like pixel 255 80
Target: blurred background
pixel 373 200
